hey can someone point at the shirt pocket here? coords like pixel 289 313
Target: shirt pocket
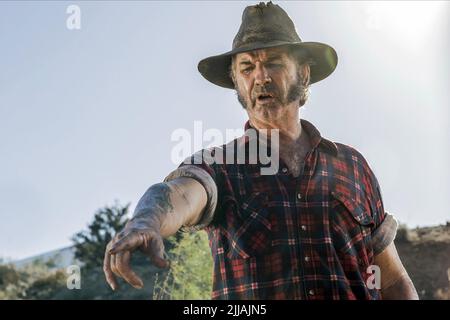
pixel 252 233
pixel 351 227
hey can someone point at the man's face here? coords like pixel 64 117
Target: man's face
pixel 268 82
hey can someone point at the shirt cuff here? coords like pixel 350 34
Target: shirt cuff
pixel 384 234
pixel 205 179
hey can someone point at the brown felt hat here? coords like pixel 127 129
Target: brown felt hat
pixel 267 25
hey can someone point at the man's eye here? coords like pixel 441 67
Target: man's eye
pixel 247 70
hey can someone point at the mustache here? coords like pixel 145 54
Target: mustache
pixel 270 88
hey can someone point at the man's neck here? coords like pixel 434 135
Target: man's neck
pixel 288 126
pixel 293 143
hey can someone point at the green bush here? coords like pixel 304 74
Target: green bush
pixel 190 274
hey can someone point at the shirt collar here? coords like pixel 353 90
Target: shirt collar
pixel 316 140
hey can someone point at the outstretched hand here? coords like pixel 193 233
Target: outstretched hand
pixel 119 250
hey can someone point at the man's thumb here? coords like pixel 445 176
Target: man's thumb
pixel 157 252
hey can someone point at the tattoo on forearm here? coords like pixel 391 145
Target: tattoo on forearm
pixel 155 201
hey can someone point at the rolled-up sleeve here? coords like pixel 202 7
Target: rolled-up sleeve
pixel 205 177
pixel 384 234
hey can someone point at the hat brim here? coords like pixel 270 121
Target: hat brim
pixel 323 61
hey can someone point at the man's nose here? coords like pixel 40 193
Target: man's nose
pixel 262 77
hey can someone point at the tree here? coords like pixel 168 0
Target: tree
pixel 8 275
pixel 33 281
pixel 90 244
pixel 190 275
pixel 45 288
pixel 12 282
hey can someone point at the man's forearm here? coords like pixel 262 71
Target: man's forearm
pixel 171 204
pixel 163 209
pixel 402 289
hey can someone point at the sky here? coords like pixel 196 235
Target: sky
pixel 86 115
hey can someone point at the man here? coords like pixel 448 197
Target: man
pixel 315 229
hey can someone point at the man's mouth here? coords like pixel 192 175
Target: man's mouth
pixel 265 97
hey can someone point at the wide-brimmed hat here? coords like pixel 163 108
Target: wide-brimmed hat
pixel 266 26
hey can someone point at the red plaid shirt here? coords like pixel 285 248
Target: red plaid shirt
pixel 281 237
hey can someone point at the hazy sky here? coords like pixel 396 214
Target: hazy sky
pixel 87 115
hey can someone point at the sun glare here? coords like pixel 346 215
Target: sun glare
pixel 412 22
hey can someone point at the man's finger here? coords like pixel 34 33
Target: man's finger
pixel 157 252
pixel 123 266
pixel 127 243
pixel 114 267
pixel 110 279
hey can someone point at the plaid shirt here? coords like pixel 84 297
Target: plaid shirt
pixel 285 237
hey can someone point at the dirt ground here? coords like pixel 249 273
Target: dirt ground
pixel 425 253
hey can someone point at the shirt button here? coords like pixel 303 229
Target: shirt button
pixel 311 292
pixel 299 196
pixel 284 170
pixel 303 227
pixel 307 259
